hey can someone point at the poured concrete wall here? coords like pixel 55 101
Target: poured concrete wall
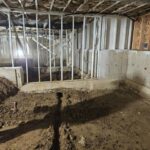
pixel 108 64
pixel 14 74
pixel 112 64
pixel 139 67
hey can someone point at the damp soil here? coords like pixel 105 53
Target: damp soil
pixel 66 119
pixel 7 88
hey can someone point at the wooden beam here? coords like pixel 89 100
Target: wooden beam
pixel 142 33
pixel 52 3
pixel 5 4
pixel 135 8
pixel 111 6
pixel 121 8
pixel 148 9
pixel 98 4
pixel 19 1
pixel 69 1
pixel 36 4
pixel 24 12
pixel 85 1
pixel 31 11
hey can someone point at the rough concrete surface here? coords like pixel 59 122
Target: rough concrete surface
pixel 88 84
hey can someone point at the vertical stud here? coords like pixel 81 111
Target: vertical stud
pixel 38 54
pixel 93 50
pixel 10 40
pixel 83 46
pixel 25 48
pixel 61 47
pixel 50 52
pixel 72 48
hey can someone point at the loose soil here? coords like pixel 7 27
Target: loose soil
pixel 66 119
pixel 7 88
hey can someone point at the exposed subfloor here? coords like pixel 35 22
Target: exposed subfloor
pixel 66 119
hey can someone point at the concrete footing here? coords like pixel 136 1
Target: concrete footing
pixel 76 84
pixel 42 87
pixel 141 89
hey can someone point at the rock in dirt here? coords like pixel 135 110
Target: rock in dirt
pixel 82 141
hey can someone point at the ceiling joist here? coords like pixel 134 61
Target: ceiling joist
pixel 97 5
pixel 5 4
pixel 130 8
pixel 80 6
pixel 122 8
pixel 135 8
pixel 52 3
pixel 36 4
pixel 69 1
pixel 113 5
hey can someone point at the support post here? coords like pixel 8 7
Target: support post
pixel 38 53
pixel 100 45
pixel 72 47
pixel 54 56
pixel 61 47
pixel 10 40
pixel 50 52
pixel 25 48
pixel 67 49
pixel 93 51
pixel 83 46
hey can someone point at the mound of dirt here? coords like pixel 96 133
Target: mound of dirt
pixel 7 88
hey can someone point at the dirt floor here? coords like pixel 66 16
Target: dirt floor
pixel 75 120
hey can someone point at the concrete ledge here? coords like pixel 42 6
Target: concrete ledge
pixel 40 87
pixel 142 90
pixel 14 74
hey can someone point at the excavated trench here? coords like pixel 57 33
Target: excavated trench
pixel 57 123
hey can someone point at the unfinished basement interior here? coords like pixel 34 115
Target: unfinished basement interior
pixel 74 74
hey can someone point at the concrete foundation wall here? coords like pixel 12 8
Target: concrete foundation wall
pixel 108 64
pixel 112 64
pixel 14 74
pixel 139 67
